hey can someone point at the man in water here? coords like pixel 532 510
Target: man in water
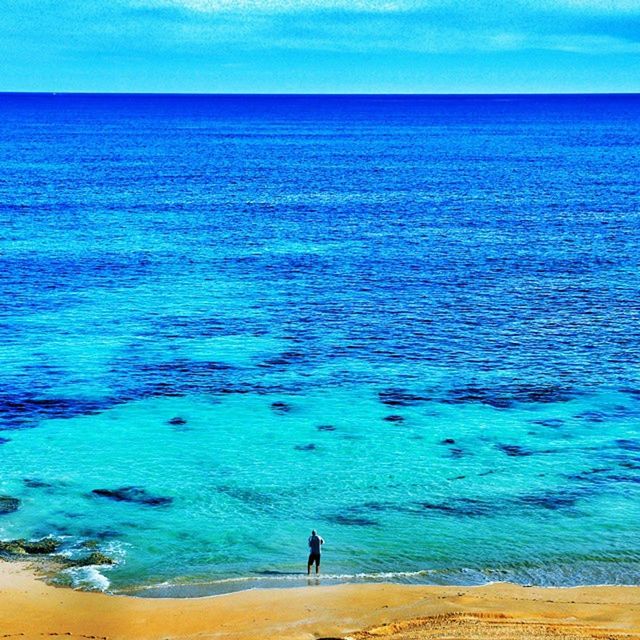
pixel 315 541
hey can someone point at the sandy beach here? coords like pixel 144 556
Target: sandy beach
pixel 29 608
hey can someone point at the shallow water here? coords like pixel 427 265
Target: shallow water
pixel 411 323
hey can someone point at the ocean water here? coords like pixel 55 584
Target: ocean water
pixel 412 323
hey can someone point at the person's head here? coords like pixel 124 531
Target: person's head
pixel 313 533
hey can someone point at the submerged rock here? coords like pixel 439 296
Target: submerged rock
pixel 461 507
pixel 504 396
pixel 394 418
pixel 549 422
pixel 251 497
pixel 633 392
pixel 22 411
pixel 473 393
pixel 177 421
pixel 514 450
pixel 133 494
pixel 448 441
pixel 551 501
pixel 284 359
pixel 305 447
pixel 34 483
pixel 474 507
pixel 8 504
pixel 325 427
pixel 353 521
pixel 628 445
pixel 401 398
pixel 281 407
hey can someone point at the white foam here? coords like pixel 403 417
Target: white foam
pixel 88 578
pixel 295 577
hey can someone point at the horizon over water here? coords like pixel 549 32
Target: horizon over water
pixel 410 322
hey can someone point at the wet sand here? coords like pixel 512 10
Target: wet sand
pixel 29 608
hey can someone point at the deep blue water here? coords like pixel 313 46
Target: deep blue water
pixel 409 322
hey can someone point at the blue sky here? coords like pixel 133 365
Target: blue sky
pixel 405 46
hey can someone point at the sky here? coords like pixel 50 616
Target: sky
pixel 320 46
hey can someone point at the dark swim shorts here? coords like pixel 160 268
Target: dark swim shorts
pixel 314 557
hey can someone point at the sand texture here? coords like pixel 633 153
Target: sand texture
pixel 29 608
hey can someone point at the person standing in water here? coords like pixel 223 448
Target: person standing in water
pixel 315 542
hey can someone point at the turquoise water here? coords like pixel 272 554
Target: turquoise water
pixel 409 323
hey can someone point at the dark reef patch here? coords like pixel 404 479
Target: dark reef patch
pixel 394 418
pixel 177 421
pixel 239 387
pixel 142 377
pixel 23 411
pixel 604 476
pixel 475 394
pixel 285 359
pixel 352 521
pixel 34 483
pixel 101 534
pixel 514 450
pixel 504 397
pixel 554 423
pixel 250 497
pixel 621 479
pixel 628 444
pixel 9 504
pixel 4 440
pixel 448 441
pixel 591 473
pixel 544 394
pixel 631 391
pixel 325 427
pixel 234 390
pixel 376 506
pixel 133 494
pixel 591 416
pixel 394 397
pixel 305 447
pixel 173 378
pixel 461 507
pixel 553 501
pixel 180 366
pixel 281 407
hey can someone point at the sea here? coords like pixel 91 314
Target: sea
pixel 411 323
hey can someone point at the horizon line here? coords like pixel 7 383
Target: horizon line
pixel 317 94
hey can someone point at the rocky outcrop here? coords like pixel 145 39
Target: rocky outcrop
pixel 94 558
pixel 32 547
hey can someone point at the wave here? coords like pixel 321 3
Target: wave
pixel 547 576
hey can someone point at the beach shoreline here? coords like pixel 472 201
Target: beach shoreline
pixel 30 608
